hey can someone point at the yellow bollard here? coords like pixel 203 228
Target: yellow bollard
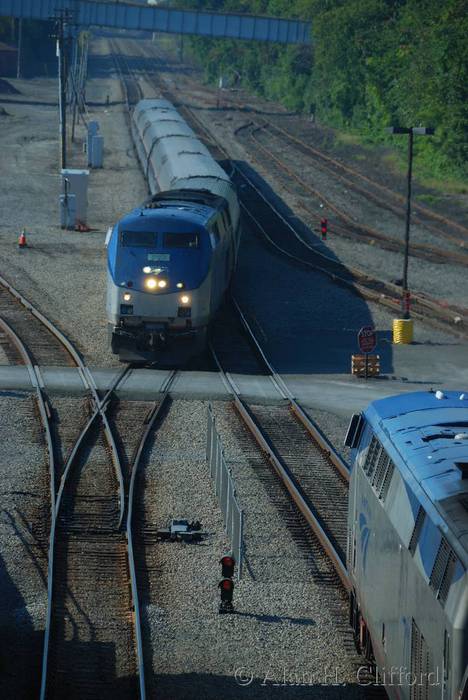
pixel 402 331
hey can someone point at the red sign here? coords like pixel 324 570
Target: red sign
pixel 367 339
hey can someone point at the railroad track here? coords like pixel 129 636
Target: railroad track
pixel 91 650
pixel 44 348
pixel 131 87
pixel 309 467
pixel 92 641
pixel 380 194
pixel 284 238
pixel 308 439
pixel 344 225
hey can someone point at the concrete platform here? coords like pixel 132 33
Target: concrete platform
pixel 338 394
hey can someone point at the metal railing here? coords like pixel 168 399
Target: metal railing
pixel 225 491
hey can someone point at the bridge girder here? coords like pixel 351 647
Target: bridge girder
pixel 118 15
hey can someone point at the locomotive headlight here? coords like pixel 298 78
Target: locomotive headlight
pixel 146 269
pixel 150 283
pixel 127 296
pixel 162 284
pixel 180 285
pixel 185 299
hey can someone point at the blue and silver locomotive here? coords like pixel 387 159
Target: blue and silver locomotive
pixel 170 261
pixel 408 542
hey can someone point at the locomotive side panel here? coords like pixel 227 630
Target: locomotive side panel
pixel 407 563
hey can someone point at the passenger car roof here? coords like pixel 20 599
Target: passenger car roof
pixel 430 432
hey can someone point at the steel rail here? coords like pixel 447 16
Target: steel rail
pixel 355 173
pixel 124 78
pixel 42 404
pixel 98 411
pixel 281 469
pixel 289 481
pixel 150 421
pixel 85 375
pixel 310 425
pixel 389 295
pixel 323 163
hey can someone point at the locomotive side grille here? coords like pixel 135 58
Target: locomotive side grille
pixel 420 665
pixel 440 564
pixel 373 454
pixel 379 474
pixel 447 579
pixel 417 529
pixel 386 481
pixel 442 571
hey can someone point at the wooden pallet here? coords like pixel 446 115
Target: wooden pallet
pixel 358 365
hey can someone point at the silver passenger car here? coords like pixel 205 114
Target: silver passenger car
pixel 408 542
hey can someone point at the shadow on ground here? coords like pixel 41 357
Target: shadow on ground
pixel 307 322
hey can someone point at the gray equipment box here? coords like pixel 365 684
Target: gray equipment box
pixel 68 211
pixel 93 129
pixel 97 151
pixel 76 182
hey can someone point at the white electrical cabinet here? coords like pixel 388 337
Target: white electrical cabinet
pixel 76 182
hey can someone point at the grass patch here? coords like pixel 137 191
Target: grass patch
pixel 397 162
pixel 348 138
pixel 443 185
pixel 428 198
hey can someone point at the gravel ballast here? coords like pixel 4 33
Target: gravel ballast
pixel 64 272
pixel 24 530
pixel 290 620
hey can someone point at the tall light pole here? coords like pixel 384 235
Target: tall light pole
pixel 411 131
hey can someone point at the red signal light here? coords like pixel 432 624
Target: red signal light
pixel 227 564
pixel 324 227
pixel 226 586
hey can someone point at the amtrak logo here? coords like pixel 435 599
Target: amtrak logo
pixel 364 533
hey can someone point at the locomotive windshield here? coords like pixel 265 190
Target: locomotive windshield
pixel 145 239
pixel 180 240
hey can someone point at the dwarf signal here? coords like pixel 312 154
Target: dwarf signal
pixel 226 585
pixel 324 227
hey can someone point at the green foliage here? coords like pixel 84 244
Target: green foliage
pixel 372 63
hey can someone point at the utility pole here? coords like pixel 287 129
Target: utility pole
pixel 20 48
pixel 61 20
pixel 62 97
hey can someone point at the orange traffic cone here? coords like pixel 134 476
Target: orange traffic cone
pixel 22 240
